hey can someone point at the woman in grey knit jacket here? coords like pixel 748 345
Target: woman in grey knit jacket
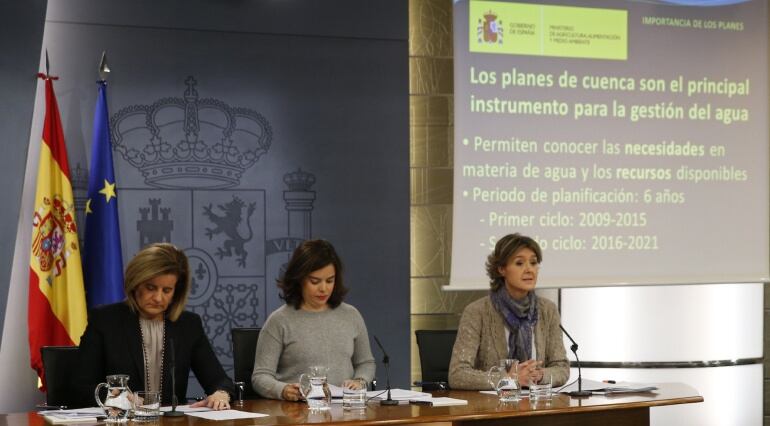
pixel 512 322
pixel 314 327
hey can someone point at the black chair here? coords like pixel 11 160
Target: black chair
pixel 59 362
pixel 435 348
pixel 244 346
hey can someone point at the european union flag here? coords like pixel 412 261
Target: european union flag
pixel 102 258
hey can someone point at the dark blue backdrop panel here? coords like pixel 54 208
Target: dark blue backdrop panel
pixel 238 145
pixel 377 19
pixel 21 34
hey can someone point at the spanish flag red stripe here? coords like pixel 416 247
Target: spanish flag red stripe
pixel 57 309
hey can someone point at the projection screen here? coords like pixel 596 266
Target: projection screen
pixel 629 138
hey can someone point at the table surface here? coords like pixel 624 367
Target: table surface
pixel 480 407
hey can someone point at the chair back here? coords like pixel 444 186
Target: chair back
pixel 59 363
pixel 244 347
pixel 435 347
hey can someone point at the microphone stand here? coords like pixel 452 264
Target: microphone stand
pixel 580 392
pixel 386 362
pixel 172 366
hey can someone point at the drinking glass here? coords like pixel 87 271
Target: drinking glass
pixel 542 389
pixel 146 406
pixel 354 395
pixel 240 387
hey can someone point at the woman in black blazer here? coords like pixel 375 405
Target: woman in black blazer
pixel 138 336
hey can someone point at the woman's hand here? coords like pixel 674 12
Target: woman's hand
pixel 291 392
pixel 537 375
pixel 219 400
pixel 529 372
pixel 353 384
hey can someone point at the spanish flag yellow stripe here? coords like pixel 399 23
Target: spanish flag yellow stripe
pixel 55 256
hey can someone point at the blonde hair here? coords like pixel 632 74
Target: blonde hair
pixel 155 260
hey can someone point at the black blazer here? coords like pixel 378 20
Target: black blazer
pixel 112 344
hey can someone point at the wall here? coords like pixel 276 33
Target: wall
pixel 21 34
pixel 431 113
pixel 766 364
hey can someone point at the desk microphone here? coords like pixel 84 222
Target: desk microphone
pixel 580 392
pixel 172 367
pixel 385 362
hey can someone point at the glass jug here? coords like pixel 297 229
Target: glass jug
pixel 504 380
pixel 315 389
pixel 118 403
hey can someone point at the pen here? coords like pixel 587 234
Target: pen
pixel 71 414
pixel 612 382
pixel 51 407
pixel 438 385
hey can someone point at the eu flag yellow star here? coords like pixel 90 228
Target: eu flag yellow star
pixel 88 206
pixel 108 190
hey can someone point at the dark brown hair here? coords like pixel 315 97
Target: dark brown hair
pixel 504 249
pixel 310 256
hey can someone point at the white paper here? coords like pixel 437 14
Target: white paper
pixel 610 388
pixel 185 409
pixel 76 415
pixel 446 401
pixel 69 418
pixel 226 415
pixel 88 411
pixel 523 392
pixel 336 391
pixel 398 394
pixel 588 384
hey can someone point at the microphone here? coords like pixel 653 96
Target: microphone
pixel 172 367
pixel 385 362
pixel 574 347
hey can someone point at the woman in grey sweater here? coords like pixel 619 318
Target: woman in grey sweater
pixel 314 327
pixel 512 322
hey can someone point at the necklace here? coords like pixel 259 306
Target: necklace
pixel 147 358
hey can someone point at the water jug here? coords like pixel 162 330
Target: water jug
pixel 315 389
pixel 118 403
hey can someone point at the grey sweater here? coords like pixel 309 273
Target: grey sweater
pixel 293 340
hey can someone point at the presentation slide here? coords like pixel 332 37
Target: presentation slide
pixel 628 137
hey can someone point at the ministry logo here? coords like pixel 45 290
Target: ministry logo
pixel 489 29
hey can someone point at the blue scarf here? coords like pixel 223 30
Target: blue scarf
pixel 521 317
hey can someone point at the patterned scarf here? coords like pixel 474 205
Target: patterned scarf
pixel 521 317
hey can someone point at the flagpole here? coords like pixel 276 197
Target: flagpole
pixel 104 70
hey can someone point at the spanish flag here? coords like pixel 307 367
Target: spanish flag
pixel 57 304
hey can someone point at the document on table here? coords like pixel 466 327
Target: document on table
pixel 603 388
pixel 523 392
pixel 626 387
pixel 397 394
pixel 58 419
pixel 226 415
pixel 77 415
pixel 441 401
pixel 336 391
pixel 185 409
